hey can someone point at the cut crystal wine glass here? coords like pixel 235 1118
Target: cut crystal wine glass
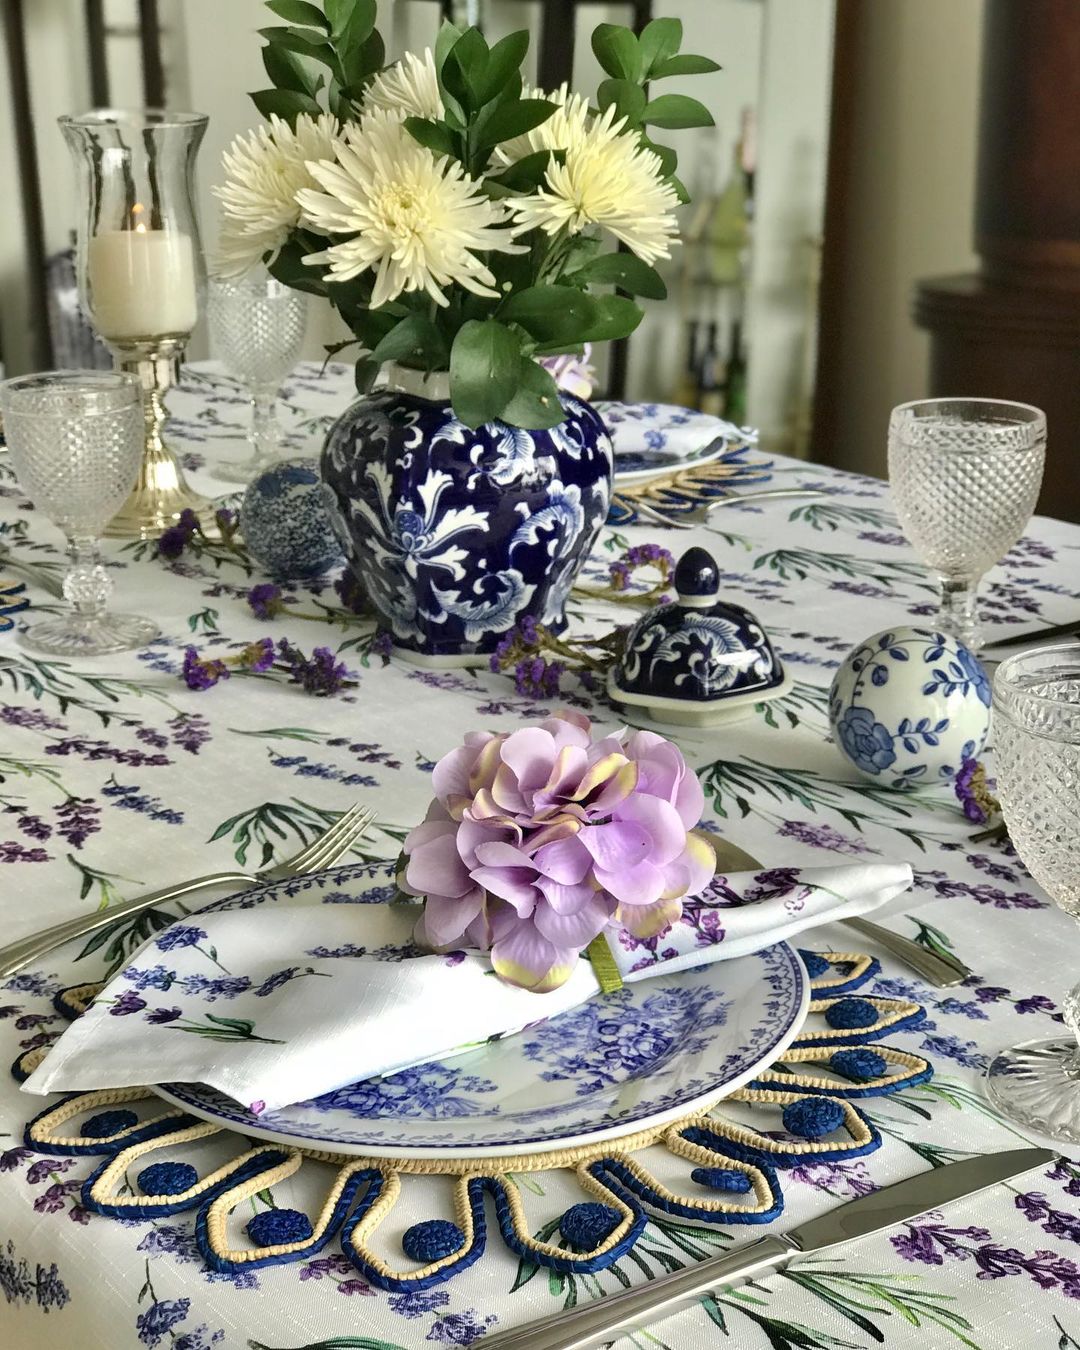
pixel 257 329
pixel 964 475
pixel 76 441
pixel 1037 761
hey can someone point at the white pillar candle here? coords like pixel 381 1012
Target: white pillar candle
pixel 142 283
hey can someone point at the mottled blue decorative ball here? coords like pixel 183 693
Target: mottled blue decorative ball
pixel 587 1225
pixel 432 1240
pixel 850 1014
pixel 108 1123
pixel 815 964
pixel 859 1065
pixel 728 1179
pixel 285 521
pixel 813 1117
pixel 167 1178
pixel 274 1227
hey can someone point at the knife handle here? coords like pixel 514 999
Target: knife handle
pixel 603 1320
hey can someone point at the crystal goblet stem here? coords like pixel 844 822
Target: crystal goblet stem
pixel 1037 761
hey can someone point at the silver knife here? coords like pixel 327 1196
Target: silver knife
pixel 604 1320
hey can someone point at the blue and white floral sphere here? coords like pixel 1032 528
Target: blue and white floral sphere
pixel 908 706
pixel 286 524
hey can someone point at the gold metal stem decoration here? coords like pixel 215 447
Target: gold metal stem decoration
pixel 161 492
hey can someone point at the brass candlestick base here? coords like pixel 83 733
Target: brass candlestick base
pixel 161 492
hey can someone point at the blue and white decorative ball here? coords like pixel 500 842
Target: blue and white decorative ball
pixel 285 523
pixel 908 706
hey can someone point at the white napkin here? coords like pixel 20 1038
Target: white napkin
pixel 637 427
pixel 282 1005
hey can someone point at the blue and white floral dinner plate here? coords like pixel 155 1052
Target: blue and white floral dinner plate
pixel 657 438
pixel 652 1052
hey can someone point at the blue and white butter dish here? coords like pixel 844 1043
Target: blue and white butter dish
pixel 700 662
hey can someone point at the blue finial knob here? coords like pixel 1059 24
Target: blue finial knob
pixel 697 576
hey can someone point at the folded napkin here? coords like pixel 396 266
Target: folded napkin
pixel 299 999
pixel 635 427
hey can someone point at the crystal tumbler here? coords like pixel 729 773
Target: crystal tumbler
pixel 76 442
pixel 1037 761
pixel 257 329
pixel 964 475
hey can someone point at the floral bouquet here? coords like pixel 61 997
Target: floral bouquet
pixel 453 217
pixel 538 840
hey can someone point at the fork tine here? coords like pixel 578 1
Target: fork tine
pixel 333 848
pixel 300 862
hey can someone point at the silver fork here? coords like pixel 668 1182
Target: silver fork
pixel 942 971
pixel 700 514
pixel 321 853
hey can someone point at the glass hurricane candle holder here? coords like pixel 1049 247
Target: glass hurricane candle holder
pixel 1037 762
pixel 141 274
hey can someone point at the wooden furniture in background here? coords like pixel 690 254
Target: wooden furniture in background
pixel 1012 330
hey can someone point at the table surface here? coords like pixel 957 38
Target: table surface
pixel 114 778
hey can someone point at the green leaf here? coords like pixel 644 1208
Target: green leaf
pixel 305 43
pixel 365 374
pixel 683 65
pixel 535 404
pixel 551 315
pixel 503 62
pixel 362 61
pixel 413 340
pixel 616 318
pixel 626 271
pixel 525 174
pixel 676 110
pixel 435 135
pixel 484 370
pixel 350 20
pixel 448 35
pixel 664 153
pixel 241 1024
pixel 285 103
pixel 504 123
pixel 289 71
pixel 617 50
pixel 465 68
pixel 659 40
pixel 629 99
pixel 299 11
pixel 681 190
pixel 290 269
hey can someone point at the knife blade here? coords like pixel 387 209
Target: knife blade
pixel 596 1323
pixel 1040 635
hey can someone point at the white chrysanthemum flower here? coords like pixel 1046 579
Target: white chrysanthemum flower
pixel 265 169
pixel 409 87
pixel 566 126
pixel 609 180
pixel 417 220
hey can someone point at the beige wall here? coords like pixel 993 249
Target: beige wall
pixel 911 201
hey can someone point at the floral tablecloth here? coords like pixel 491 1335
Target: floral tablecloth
pixel 115 778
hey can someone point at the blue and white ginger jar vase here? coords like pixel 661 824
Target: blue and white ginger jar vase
pixel 457 534
pixel 908 706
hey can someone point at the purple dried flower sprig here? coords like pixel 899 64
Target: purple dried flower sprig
pixel 188 534
pixel 538 659
pixel 320 673
pixel 267 600
pixel 621 574
pixel 973 793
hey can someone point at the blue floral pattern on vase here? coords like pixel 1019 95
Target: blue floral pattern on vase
pixel 908 706
pixel 457 534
